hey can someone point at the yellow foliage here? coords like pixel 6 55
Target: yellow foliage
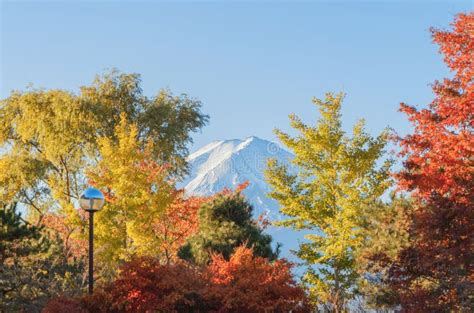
pixel 138 191
pixel 335 182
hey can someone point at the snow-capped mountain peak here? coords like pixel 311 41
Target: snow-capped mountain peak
pixel 228 163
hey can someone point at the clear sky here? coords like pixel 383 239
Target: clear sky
pixel 251 63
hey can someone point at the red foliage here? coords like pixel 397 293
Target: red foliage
pixel 75 246
pixel 239 188
pixel 145 285
pixel 243 186
pixel 263 221
pixel 177 224
pixel 63 304
pixel 247 283
pixel 439 153
pixel 436 272
pixel 243 284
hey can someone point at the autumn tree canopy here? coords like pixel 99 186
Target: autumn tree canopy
pixel 249 283
pixel 54 143
pixel 124 226
pixel 50 136
pixel 436 272
pixel 244 283
pixel 177 224
pixel 337 180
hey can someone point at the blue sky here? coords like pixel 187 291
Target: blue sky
pixel 250 63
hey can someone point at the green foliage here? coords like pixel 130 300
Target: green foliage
pixel 32 268
pixel 226 223
pixel 17 238
pixel 337 181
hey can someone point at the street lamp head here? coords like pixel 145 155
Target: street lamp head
pixel 91 200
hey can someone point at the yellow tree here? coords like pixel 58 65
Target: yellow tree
pixel 48 137
pixel 44 135
pixel 336 180
pixel 138 191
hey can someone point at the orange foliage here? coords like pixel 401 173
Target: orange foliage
pixel 243 284
pixel 243 186
pixel 263 221
pixel 247 283
pixel 177 223
pixel 64 304
pixel 436 273
pixel 145 285
pixel 439 153
pixel 75 246
pixel 238 189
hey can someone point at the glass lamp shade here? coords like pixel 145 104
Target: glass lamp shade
pixel 91 200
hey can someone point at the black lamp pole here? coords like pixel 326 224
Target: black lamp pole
pixel 91 201
pixel 91 250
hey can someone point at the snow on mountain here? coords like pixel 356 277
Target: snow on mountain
pixel 228 163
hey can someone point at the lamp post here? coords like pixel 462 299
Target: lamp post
pixel 91 201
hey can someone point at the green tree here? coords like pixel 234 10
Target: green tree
pixel 225 223
pixel 336 181
pixel 18 240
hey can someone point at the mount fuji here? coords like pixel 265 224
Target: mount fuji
pixel 228 163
